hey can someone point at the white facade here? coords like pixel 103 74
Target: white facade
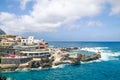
pixel 11 39
pixel 28 41
pixel 24 41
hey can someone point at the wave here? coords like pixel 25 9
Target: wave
pixel 59 66
pixel 109 56
pixel 94 49
pixel 106 54
pixel 90 61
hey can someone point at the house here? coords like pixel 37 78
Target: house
pixel 18 38
pixel 28 41
pixel 5 36
pixel 9 42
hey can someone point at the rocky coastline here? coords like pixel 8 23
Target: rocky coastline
pixel 2 77
pixel 58 56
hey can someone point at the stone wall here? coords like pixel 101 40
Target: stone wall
pixel 14 60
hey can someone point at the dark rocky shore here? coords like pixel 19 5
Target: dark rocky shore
pixel 62 57
pixel 2 77
pixel 48 63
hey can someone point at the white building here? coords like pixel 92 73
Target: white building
pixel 28 41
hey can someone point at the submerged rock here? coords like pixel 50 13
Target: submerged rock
pixel 3 78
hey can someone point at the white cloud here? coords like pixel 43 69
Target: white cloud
pixel 48 15
pixel 115 10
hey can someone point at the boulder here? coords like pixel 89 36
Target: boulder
pixel 69 49
pixel 90 58
pixel 34 64
pixel 65 57
pixel 46 65
pixel 74 61
pixel 79 56
pixel 75 48
pixel 96 56
pixel 46 62
pixel 2 77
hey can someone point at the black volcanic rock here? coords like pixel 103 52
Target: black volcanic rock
pixel 2 77
pixel 1 32
pixel 34 64
pixel 90 58
pixel 74 61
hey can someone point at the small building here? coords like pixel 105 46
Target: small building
pixel 32 42
pixel 42 45
pixel 18 38
pixel 28 41
pixel 9 42
pixel 5 36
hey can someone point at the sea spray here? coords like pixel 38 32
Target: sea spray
pixel 106 54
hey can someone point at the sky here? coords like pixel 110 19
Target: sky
pixel 62 20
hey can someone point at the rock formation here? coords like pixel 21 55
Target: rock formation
pixel 34 64
pixel 69 49
pixel 74 61
pixel 45 62
pixel 2 77
pixel 90 58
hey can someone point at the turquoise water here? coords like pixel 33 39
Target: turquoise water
pixel 107 68
pixel 81 52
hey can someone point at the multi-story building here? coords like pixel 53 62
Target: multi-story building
pixel 28 41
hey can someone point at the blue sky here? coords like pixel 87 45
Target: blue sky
pixel 62 20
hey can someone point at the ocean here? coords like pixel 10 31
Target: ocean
pixel 106 68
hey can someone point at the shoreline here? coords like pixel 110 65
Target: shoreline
pixel 54 67
pixel 59 56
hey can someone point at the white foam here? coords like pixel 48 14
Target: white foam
pixel 116 54
pixel 99 48
pixel 59 66
pixel 91 61
pixel 94 49
pixel 106 54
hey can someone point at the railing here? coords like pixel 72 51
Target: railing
pixel 16 57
